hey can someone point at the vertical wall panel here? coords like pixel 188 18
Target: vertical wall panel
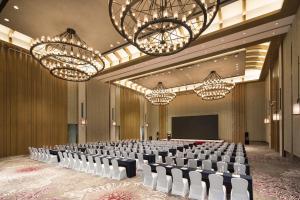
pixel 130 114
pixel 33 103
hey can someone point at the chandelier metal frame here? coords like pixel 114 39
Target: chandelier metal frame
pixel 160 95
pixel 213 87
pixel 67 56
pixel 162 27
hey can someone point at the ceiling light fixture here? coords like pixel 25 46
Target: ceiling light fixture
pixel 16 7
pixel 67 56
pixel 213 87
pixel 6 19
pixel 160 95
pixel 162 27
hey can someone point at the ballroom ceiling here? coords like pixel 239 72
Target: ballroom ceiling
pixel 227 66
pixel 89 18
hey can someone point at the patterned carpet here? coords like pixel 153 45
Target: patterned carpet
pixel 25 179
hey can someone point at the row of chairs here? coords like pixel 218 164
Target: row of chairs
pixel 87 165
pixel 42 154
pixel 197 189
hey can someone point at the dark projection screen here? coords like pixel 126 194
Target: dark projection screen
pixel 195 127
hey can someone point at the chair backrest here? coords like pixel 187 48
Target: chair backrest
pixel 226 158
pixel 83 159
pixel 190 155
pixel 239 169
pixel 115 165
pixel 213 157
pixel 240 159
pixel 148 151
pixel 192 163
pixel 201 156
pixel 216 182
pixel 147 171
pixel 91 161
pixel 222 166
pixel 125 154
pixel 195 178
pixel 98 161
pixel 106 164
pixel 180 154
pixel 180 162
pixel 161 175
pixel 239 154
pixel 206 164
pixel 177 177
pixel 118 154
pixel 239 188
pixel 60 155
pixel 140 158
pixel 132 155
pixel 169 160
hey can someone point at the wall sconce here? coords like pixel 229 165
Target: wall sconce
pixel 267 120
pixel 296 106
pixel 276 117
pixel 114 123
pixel 146 124
pixel 83 121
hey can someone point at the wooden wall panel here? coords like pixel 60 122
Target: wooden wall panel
pixel 130 114
pixel 163 114
pixel 239 115
pixel 33 103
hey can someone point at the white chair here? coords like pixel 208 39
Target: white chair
pixel 198 187
pixel 66 160
pixel 239 169
pixel 192 163
pixel 240 159
pixel 213 157
pixel 226 158
pixel 62 159
pixel 84 164
pixel 207 165
pixel 239 154
pixel 107 169
pixel 118 173
pixel 201 156
pixel 71 161
pixel 179 154
pixel 169 160
pixel 141 161
pixel 239 189
pixel 180 162
pixel 222 167
pixel 217 190
pixel 164 182
pixel 180 185
pixel 51 158
pixel 77 165
pixel 30 153
pixel 91 165
pixel 190 155
pixel 99 167
pixel 150 178
pixel 158 158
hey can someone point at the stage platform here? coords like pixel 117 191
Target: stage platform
pixel 189 141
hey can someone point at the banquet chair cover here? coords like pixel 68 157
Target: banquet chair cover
pixel 180 185
pixel 198 187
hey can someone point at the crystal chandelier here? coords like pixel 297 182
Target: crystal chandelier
pixel 213 87
pixel 160 95
pixel 162 27
pixel 67 57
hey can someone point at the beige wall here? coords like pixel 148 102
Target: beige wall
pixel 72 103
pixel 191 104
pixel 97 97
pixel 255 111
pixel 291 123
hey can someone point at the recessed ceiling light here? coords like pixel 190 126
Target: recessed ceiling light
pixel 181 69
pixel 118 42
pixel 5 19
pixel 225 58
pixel 273 33
pixel 276 23
pixel 111 45
pixel 16 7
pixel 236 55
pixel 244 33
pixel 215 61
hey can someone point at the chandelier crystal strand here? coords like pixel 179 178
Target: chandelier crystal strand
pixel 213 87
pixel 162 27
pixel 67 56
pixel 160 95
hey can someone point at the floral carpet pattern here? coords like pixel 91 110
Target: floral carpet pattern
pixel 24 179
